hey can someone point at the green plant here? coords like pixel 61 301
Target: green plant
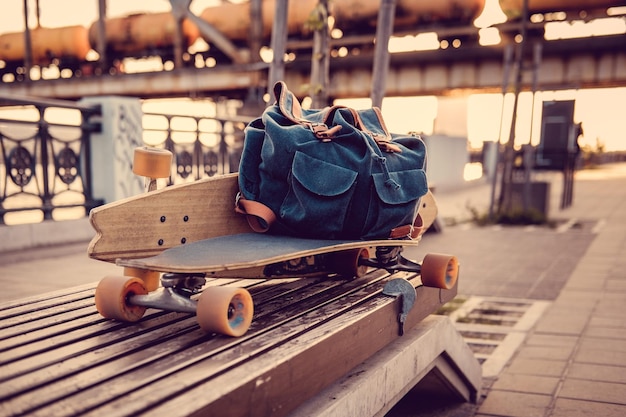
pixel 451 306
pixel 515 216
pixel 518 216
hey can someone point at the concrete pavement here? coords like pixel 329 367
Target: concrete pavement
pixel 570 362
pixel 573 362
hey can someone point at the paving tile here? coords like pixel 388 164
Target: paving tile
pixel 540 339
pixel 601 344
pixel 559 353
pixel 611 301
pixel 539 367
pixel 606 332
pixel 616 285
pixel 592 372
pixel 614 322
pixel 608 392
pixel 601 356
pixel 512 404
pixel 597 261
pixel 529 384
pixel 580 302
pixel 574 408
pixel 561 323
pixel 584 283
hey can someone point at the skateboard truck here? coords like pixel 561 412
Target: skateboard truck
pixel 390 258
pixel 176 294
pixel 400 287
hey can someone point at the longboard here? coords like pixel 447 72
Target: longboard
pixel 229 310
pixel 227 252
pixel 155 232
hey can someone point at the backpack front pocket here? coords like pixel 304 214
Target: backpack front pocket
pixel 319 197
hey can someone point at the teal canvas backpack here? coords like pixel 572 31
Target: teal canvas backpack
pixel 332 173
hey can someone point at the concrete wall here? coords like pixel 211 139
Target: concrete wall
pixel 447 157
pixel 112 150
pixel 47 233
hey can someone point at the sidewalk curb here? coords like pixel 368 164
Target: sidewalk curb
pixel 44 234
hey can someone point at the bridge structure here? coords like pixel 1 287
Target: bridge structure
pixel 459 63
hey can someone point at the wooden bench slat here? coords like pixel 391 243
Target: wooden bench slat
pixel 281 376
pixel 24 373
pixel 39 302
pixel 62 316
pixel 25 335
pixel 98 365
pixel 43 308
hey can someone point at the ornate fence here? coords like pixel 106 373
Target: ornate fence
pixel 45 169
pixel 202 146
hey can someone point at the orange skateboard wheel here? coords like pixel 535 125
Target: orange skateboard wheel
pixel 152 162
pixel 150 278
pixel 112 298
pixel 440 270
pixel 225 310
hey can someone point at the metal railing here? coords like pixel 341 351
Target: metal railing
pixel 202 146
pixel 44 166
pixel 45 170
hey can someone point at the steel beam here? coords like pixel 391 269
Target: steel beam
pixel 581 63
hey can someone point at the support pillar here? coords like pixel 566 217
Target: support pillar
pixel 112 149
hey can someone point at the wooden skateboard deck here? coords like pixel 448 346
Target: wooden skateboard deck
pixel 146 225
pixel 149 223
pixel 245 251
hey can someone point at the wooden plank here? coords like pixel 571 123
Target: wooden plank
pixel 40 302
pixel 306 333
pixel 432 347
pixel 146 224
pixel 16 361
pixel 84 351
pixel 246 251
pixel 296 370
pixel 162 353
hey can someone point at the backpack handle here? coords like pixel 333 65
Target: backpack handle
pixel 369 121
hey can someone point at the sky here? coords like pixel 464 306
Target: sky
pixel 54 13
pixel 477 116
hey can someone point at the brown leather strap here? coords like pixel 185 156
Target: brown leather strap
pixel 412 231
pixel 259 216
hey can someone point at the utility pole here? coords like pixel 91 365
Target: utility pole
pixel 384 29
pixel 28 45
pixel 318 89
pixel 505 201
pixel 101 46
pixel 508 53
pixel 254 103
pixel 278 43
